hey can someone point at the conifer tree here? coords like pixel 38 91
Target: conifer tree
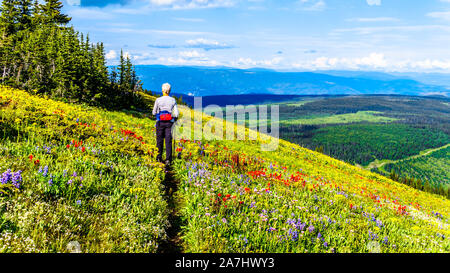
pixel 51 13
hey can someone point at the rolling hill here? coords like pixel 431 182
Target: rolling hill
pixel 77 173
pixel 207 81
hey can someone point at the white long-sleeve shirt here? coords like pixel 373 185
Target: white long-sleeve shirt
pixel 166 103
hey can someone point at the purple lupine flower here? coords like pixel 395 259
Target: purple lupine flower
pixel 78 202
pixel 64 173
pixel 45 171
pixel 325 244
pixel 69 182
pixel 311 228
pixel 74 174
pixel 385 240
pixel 6 176
pixel 319 235
pixel 224 220
pixel 293 234
pixel 379 223
pixel 16 179
pixel 50 182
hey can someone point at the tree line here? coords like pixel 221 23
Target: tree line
pixel 420 185
pixel 41 54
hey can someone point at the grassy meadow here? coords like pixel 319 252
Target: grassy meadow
pixel 77 173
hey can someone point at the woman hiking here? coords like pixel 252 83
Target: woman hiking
pixel 166 112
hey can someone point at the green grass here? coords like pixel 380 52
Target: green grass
pixel 360 116
pixel 106 192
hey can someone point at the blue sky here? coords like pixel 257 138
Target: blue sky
pixel 297 35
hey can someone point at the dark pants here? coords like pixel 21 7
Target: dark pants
pixel 164 131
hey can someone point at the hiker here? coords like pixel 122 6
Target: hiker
pixel 166 113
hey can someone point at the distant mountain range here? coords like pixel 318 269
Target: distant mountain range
pixel 210 81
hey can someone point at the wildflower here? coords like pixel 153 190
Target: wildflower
pixel 45 171
pixel 325 244
pixel 293 234
pixel 379 223
pixel 224 220
pixel 68 146
pixel 50 182
pixel 30 157
pixel 69 182
pixel 74 174
pixel 16 179
pixel 6 176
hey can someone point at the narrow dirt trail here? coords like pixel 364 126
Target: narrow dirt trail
pixel 174 242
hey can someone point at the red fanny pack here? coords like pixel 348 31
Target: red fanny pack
pixel 165 117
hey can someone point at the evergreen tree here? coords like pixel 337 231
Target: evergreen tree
pixel 40 54
pixel 24 18
pixel 51 13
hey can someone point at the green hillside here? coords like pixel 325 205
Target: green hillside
pixel 77 173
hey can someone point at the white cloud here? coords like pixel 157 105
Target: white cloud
pixel 186 61
pixel 207 44
pixel 127 55
pixel 111 55
pixel 190 54
pixel 192 4
pixel 312 5
pixel 444 15
pixel 249 62
pixel 374 61
pixel 374 19
pixel 387 29
pixel 90 13
pixel 74 2
pixel 373 2
pixel 193 20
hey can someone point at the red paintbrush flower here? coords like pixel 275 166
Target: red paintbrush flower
pixel 30 157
